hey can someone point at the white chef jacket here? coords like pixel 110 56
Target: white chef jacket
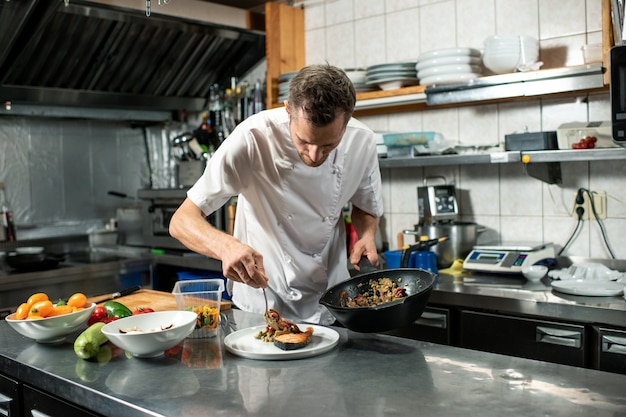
pixel 289 212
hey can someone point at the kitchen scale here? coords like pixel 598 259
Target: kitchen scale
pixel 507 258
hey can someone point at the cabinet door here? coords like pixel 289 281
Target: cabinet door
pixel 433 326
pixel 39 404
pixel 10 404
pixel 610 348
pixel 527 338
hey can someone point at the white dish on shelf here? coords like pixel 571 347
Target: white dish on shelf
pixel 448 78
pixel 394 83
pixel 449 69
pixel 449 52
pixel 243 343
pixel 448 60
pixel 392 65
pixel 594 288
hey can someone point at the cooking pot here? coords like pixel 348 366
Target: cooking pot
pixel 462 238
pixel 418 284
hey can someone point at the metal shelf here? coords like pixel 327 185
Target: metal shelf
pixel 506 157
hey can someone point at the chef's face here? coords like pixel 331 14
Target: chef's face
pixel 314 143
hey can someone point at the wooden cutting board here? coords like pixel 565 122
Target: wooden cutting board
pixel 157 300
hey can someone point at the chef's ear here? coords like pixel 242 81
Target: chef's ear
pixel 286 103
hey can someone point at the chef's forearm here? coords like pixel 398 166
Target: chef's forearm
pixel 364 223
pixel 189 226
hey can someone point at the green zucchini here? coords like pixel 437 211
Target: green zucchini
pixel 87 344
pixel 116 309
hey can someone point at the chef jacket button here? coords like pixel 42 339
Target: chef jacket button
pixel 290 217
pixel 316 255
pixel 327 219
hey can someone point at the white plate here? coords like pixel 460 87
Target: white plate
pixel 448 60
pixel 595 288
pixel 448 78
pixel 243 343
pixel 449 69
pixel 449 52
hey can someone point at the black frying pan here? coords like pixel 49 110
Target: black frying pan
pixel 33 261
pixel 417 282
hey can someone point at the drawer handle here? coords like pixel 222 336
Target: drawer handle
pixel 5 405
pixel 614 344
pixel 561 337
pixel 437 320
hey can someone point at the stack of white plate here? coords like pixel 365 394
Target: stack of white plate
pixel 449 65
pixel 391 76
pixel 359 79
pixel 505 54
pixel 283 85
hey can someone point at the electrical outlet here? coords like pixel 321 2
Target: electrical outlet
pixel 599 202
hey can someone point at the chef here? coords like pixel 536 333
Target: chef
pixel 293 169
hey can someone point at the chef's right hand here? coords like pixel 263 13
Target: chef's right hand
pixel 243 264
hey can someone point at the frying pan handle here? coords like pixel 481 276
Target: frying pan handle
pixel 366 266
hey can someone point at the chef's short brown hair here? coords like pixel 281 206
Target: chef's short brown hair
pixel 323 92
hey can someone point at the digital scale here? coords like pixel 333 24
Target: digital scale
pixel 507 258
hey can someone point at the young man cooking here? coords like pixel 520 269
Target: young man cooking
pixel 293 170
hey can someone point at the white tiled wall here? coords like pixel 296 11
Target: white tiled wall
pixel 501 197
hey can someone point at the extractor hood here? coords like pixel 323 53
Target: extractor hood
pixel 93 55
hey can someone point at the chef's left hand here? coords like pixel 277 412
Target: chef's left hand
pixel 364 248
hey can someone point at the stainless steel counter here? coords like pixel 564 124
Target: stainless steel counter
pixel 369 375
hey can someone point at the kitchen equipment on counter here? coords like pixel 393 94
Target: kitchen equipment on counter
pixel 418 284
pixel 618 95
pixel 158 207
pixel 128 221
pixel 507 258
pixel 438 211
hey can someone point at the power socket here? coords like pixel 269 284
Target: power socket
pixel 599 202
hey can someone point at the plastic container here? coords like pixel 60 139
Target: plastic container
pixel 426 260
pixel 204 297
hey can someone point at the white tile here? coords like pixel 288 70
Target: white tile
pixel 555 112
pixel 520 195
pixel 437 30
pixel 314 16
pixel 558 19
pixel 519 117
pixel 370 41
pixel 368 8
pixel 406 122
pixel 599 107
pixel 521 229
pixel 339 11
pixel 402 35
pixel 478 125
pixel 558 199
pixel 616 237
pixel 480 190
pixel 520 17
pixel 475 22
pixel 610 176
pixel 594 15
pixel 444 121
pixel 560 230
pixel 341 53
pixel 395 5
pixel 315 44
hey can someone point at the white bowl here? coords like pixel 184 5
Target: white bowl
pixel 152 340
pixel 534 272
pixel 51 329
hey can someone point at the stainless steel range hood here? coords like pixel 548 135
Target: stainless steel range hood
pixel 92 55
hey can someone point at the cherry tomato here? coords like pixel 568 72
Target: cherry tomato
pixel 142 310
pixel 77 300
pixel 99 313
pixel 22 311
pixel 40 296
pixel 59 310
pixel 41 308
